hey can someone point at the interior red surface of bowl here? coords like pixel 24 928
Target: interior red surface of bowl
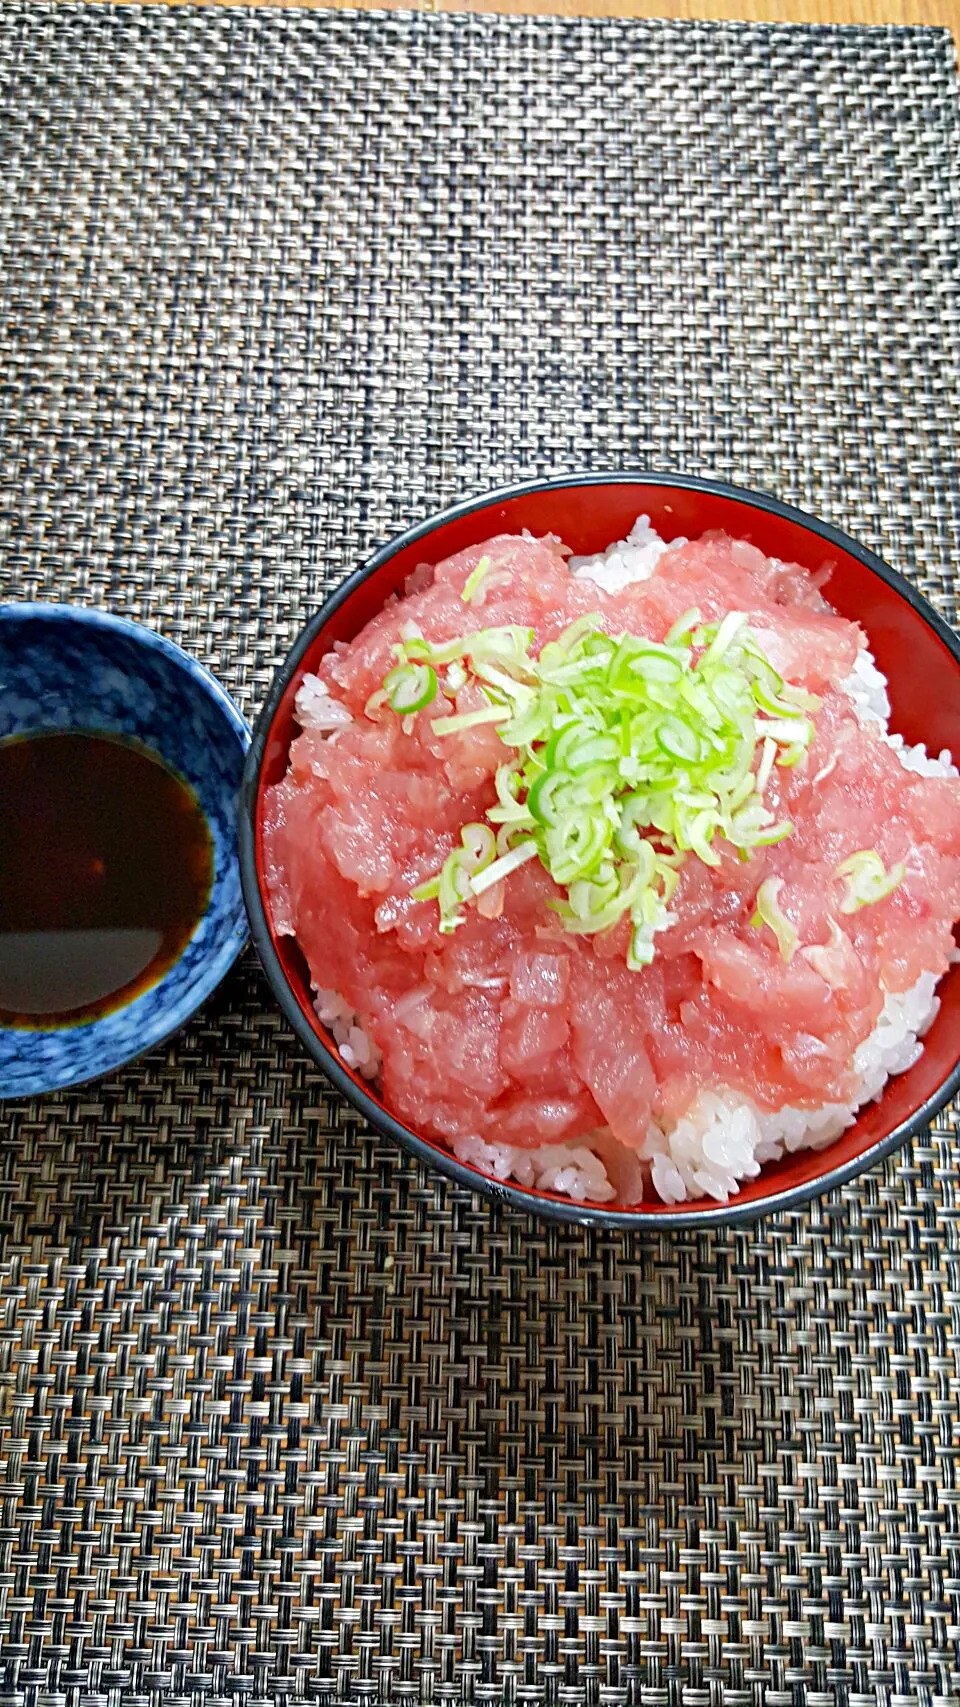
pixel 924 688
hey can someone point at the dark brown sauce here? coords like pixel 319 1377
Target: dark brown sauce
pixel 106 865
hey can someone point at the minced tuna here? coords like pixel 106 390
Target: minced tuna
pixel 543 1055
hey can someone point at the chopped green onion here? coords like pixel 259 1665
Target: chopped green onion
pixel 541 800
pixel 769 838
pixel 680 741
pixel 867 880
pixel 768 913
pixel 624 757
pixel 479 844
pixel 642 949
pixel 781 729
pixel 700 833
pixel 410 687
pixel 575 845
pixel 730 628
pixel 473 580
pixel 628 832
pixel 800 698
pixel 792 755
pixel 683 627
pixel 469 719
pixel 646 922
pixel 502 868
pixel 454 887
pixel 451 886
pixel 518 693
pixel 765 766
pixel 511 809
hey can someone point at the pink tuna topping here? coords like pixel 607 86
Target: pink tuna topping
pixel 510 1028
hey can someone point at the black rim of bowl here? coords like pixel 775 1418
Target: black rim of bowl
pixel 528 1201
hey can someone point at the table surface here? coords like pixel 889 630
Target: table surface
pixel 943 12
pixel 281 1421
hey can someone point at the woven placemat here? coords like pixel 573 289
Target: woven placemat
pixel 283 1419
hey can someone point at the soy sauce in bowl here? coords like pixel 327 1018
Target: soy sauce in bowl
pixel 106 867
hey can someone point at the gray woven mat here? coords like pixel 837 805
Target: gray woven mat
pixel 282 1420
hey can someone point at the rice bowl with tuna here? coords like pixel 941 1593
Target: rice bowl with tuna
pixel 608 872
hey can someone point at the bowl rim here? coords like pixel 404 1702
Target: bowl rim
pixel 214 968
pixel 19 610
pixel 528 1200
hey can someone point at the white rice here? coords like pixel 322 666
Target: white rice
pixel 867 687
pixel 629 560
pixel 573 1170
pixel 356 1047
pixel 316 708
pixel 723 1138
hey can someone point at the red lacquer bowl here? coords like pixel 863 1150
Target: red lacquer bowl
pixel 914 647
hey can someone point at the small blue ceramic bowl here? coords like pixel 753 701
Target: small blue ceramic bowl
pixel 63 667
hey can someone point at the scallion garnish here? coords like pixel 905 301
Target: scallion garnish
pixel 410 687
pixel 867 880
pixel 769 913
pixel 626 755
pixel 472 583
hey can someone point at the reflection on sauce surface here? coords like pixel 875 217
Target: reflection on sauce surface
pixel 106 866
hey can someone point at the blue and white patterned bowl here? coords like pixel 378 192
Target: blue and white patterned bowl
pixel 64 667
